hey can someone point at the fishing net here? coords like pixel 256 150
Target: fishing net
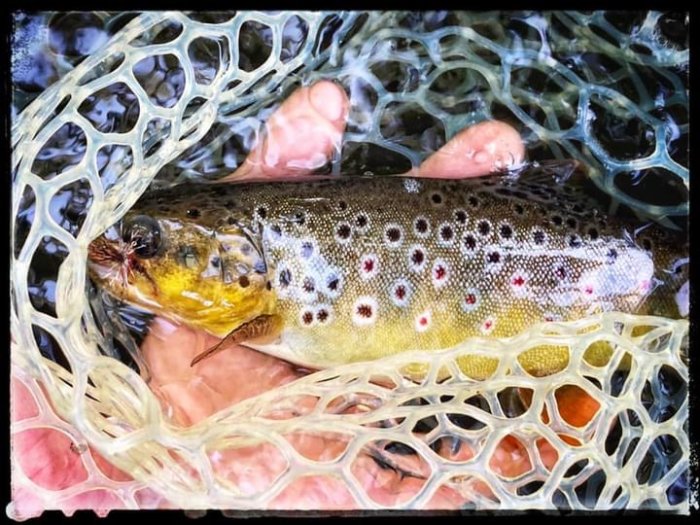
pixel 188 96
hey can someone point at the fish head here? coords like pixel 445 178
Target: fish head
pixel 209 276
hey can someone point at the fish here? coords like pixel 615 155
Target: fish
pixel 335 270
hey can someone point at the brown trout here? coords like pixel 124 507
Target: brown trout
pixel 356 268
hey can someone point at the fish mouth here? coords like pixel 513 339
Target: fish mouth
pixel 112 261
pixel 108 265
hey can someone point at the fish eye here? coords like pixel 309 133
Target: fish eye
pixel 144 232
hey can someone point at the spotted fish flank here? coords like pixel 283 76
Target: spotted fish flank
pixel 353 275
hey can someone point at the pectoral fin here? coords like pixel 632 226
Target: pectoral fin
pixel 261 327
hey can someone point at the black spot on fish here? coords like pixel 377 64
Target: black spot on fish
pixel 299 218
pixel 493 257
pixel 262 212
pixel 557 220
pixel 461 216
pixel 215 261
pixel 307 249
pixel 473 202
pixel 361 221
pixel 518 208
pixel 268 285
pixel 436 198
pixel 231 221
pixel 612 255
pixel 506 231
pixel 447 233
pixel 560 272
pixel 307 317
pixel 193 213
pixel 393 234
pixel 593 233
pixel 417 257
pixel 575 241
pixel 421 225
pixel 577 208
pixel 470 241
pixel 342 205
pixel 484 228
pixel 571 222
pixel 243 281
pixel 538 237
pixel 333 282
pixel 285 278
pixel 322 315
pixel 646 244
pixel 343 231
pixel 309 285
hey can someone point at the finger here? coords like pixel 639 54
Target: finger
pixel 193 393
pixel 300 136
pixel 475 151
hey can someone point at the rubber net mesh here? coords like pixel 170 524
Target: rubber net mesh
pixel 414 81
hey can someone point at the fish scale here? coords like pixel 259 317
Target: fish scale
pixel 358 268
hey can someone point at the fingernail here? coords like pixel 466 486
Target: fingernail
pixel 327 99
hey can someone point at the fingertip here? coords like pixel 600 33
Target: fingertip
pixel 329 100
pixel 478 150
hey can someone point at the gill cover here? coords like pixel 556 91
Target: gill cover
pixel 209 275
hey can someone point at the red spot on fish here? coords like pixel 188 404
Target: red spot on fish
pixel 518 281
pixel 423 321
pixel 400 292
pixel 470 298
pixel 440 272
pixel 588 289
pixel 364 310
pixel 368 265
pixel 488 324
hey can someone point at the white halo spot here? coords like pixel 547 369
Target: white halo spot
pixel 367 223
pixel 488 325
pixel 341 228
pixel 369 266
pixel 446 234
pixel 400 292
pixel 323 314
pixel 440 273
pixel 394 228
pixel 424 321
pixel 307 318
pixel 413 254
pixel 470 300
pixel 419 220
pixel 365 311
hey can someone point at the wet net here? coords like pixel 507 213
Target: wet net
pixel 188 98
